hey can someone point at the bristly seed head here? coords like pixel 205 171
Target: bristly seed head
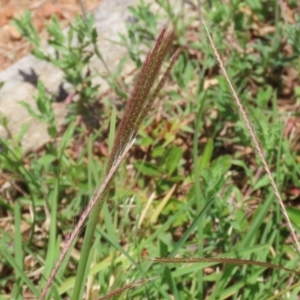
pixel 140 99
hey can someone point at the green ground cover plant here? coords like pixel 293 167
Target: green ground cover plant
pixel 191 212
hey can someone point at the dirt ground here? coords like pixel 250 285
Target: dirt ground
pixel 12 45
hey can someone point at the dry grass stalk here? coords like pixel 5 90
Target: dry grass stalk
pixel 223 260
pixel 254 139
pixel 125 288
pixel 137 107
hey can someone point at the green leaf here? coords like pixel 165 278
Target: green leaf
pixel 158 151
pixel 147 169
pixel 221 165
pixel 47 159
pixel 30 111
pixel 262 182
pixel 172 158
pixel 25 27
pixel 55 30
pixel 294 214
pixel 207 154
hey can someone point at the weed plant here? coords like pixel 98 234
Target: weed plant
pixel 191 213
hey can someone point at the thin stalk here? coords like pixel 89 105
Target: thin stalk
pixel 95 198
pixel 255 141
pixel 223 260
pixel 137 107
pixel 198 197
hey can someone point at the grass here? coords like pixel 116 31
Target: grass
pixel 191 185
